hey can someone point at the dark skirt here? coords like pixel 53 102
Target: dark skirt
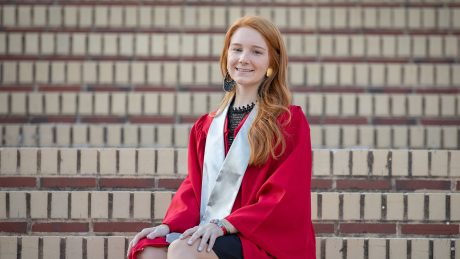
pixel 228 247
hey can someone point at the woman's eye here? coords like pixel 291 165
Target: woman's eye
pixel 237 49
pixel 257 52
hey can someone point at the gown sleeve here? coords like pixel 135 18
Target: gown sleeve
pixel 184 210
pixel 279 220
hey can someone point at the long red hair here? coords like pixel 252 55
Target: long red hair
pixel 265 135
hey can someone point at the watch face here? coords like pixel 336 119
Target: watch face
pixel 218 222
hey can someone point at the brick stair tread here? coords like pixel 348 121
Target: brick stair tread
pixel 112 247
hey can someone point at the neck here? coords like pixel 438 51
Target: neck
pixel 245 96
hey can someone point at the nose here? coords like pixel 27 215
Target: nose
pixel 243 57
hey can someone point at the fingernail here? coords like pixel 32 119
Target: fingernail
pixel 189 242
pixel 209 250
pixel 199 248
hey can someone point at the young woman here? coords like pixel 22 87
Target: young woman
pixel 247 192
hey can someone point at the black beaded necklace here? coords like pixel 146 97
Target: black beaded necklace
pixel 235 116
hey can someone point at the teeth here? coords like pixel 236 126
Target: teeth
pixel 244 70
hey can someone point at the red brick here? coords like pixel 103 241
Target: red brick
pixel 364 184
pixel 458 185
pixel 68 182
pixel 18 182
pixel 107 88
pixel 57 88
pixel 314 120
pixel 170 183
pixel 323 228
pixel 120 226
pixel 16 88
pixel 343 120
pixel 13 119
pixel 201 88
pixel 102 119
pixel 13 227
pixel 367 228
pixel 430 229
pixel 442 122
pixel 333 89
pixel 188 119
pixel 60 227
pixel 321 184
pixel 422 185
pixel 437 90
pixel 38 119
pixel 151 119
pixel 393 121
pixel 152 88
pixel 396 90
pixel 126 183
pixel 61 119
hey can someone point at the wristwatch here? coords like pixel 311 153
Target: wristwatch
pixel 218 223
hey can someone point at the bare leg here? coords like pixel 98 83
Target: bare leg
pixel 153 253
pixel 179 249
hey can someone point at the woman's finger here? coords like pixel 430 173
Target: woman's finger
pixel 188 232
pixel 204 240
pixel 144 232
pixel 212 241
pixel 132 244
pixel 154 233
pixel 195 235
pixel 138 237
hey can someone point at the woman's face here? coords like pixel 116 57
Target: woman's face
pixel 247 59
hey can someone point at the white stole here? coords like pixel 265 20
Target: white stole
pixel 222 175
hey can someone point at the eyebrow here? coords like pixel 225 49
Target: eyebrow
pixel 254 46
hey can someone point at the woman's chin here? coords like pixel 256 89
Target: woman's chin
pixel 247 83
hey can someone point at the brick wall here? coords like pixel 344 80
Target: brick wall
pixel 97 99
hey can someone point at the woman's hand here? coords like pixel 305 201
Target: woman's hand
pixel 150 233
pixel 208 232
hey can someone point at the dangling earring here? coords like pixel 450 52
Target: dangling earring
pixel 228 84
pixel 269 72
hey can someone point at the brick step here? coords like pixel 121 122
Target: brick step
pixel 114 247
pixel 366 164
pixel 399 15
pixel 180 119
pixel 360 74
pixel 167 107
pixel 37 208
pixel 202 46
pixel 339 183
pixel 334 228
pixel 176 135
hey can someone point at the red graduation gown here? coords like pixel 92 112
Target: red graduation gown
pixel 272 209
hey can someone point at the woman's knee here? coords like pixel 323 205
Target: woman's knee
pixel 180 249
pixel 153 253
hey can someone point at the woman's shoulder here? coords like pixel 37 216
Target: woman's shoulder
pixel 293 117
pixel 202 124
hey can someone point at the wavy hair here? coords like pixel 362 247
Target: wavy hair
pixel 265 135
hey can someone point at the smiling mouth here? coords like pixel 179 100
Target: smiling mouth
pixel 244 70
